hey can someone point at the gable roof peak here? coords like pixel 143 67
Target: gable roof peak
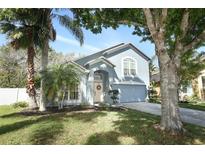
pixel 110 50
pixel 129 45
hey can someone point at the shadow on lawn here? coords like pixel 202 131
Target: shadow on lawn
pixel 131 124
pixel 139 127
pixel 11 115
pixel 86 116
pixel 45 129
pixel 105 138
pixel 46 132
pixel 19 125
pixel 26 114
pixel 134 127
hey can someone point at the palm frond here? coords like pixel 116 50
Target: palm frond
pixel 6 27
pixel 68 23
pixel 52 33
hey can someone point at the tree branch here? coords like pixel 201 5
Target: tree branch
pixel 126 22
pixel 197 40
pixel 183 27
pixel 163 18
pixel 150 23
pixel 185 23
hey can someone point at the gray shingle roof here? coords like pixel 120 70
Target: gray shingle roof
pixel 106 52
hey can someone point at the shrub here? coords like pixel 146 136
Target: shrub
pixel 104 106
pixel 192 99
pixel 153 96
pixel 114 95
pixel 20 104
pixel 152 93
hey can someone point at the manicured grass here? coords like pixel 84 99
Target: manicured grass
pixel 190 105
pixel 198 106
pixel 96 127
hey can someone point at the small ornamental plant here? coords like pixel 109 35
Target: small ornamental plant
pixel 114 95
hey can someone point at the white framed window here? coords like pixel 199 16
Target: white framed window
pixel 98 76
pixel 74 92
pixel 129 67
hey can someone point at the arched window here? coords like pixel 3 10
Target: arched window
pixel 129 67
pixel 97 76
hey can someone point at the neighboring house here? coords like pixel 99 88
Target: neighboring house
pixel 122 67
pixel 155 77
pixel 200 85
pixel 197 87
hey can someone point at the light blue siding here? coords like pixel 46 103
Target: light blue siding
pixel 141 64
pixel 131 93
pixel 132 88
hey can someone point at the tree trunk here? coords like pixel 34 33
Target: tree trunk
pixel 169 83
pixel 30 77
pixel 44 63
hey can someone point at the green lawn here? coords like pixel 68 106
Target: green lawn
pixel 98 127
pixel 198 106
pixel 190 105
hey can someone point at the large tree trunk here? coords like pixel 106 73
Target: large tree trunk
pixel 30 77
pixel 169 84
pixel 44 63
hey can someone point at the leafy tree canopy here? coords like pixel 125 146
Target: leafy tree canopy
pixel 192 37
pixel 12 68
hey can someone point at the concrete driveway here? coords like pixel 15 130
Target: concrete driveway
pixel 188 115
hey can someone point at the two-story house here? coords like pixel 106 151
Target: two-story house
pixel 122 67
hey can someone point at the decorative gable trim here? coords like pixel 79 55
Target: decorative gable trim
pixel 139 52
pixel 98 60
pixel 82 69
pixel 129 45
pixel 106 52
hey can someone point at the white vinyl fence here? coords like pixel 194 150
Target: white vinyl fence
pixel 12 95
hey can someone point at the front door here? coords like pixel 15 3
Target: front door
pixel 98 92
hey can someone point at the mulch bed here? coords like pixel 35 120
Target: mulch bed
pixel 69 109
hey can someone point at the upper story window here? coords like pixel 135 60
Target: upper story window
pixel 129 67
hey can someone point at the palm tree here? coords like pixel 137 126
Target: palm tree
pixel 22 29
pixel 50 34
pixel 29 28
pixel 57 80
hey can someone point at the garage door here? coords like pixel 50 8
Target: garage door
pixel 131 93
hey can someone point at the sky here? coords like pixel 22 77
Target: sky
pixel 95 42
pixel 66 43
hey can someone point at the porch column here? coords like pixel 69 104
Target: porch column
pixel 90 90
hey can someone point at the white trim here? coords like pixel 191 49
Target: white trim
pixel 98 60
pixel 128 83
pixel 131 46
pixel 122 68
pixel 79 66
pixel 114 49
pixel 74 101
